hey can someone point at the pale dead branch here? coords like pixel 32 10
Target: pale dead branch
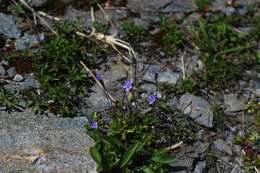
pixel 97 81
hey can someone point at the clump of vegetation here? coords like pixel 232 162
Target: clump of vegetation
pixel 132 32
pixel 172 37
pixel 99 27
pixel 217 38
pixel 189 85
pixel 256 27
pixel 58 70
pixel 202 5
pixel 138 142
pixel 8 100
pixel 218 121
pixel 218 74
pixel 16 9
pixel 225 52
pixel 251 141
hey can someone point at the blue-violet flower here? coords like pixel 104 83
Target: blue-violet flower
pixel 93 124
pixel 128 85
pixel 98 77
pixel 151 99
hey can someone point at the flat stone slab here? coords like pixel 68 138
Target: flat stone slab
pixel 40 144
pixel 198 109
pixel 8 26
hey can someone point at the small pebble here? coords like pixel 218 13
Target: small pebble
pixel 5 63
pixel 2 71
pixel 11 72
pixel 18 78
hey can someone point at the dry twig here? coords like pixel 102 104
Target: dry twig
pixel 97 81
pixel 37 15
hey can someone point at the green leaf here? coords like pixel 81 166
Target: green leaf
pixel 96 154
pixel 147 170
pixel 129 154
pixel 163 158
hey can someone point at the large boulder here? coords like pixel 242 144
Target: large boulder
pixel 42 144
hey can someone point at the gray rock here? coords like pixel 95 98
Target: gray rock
pixel 148 88
pixel 245 3
pixel 234 103
pixel 97 101
pixel 194 64
pixel 11 72
pixel 36 3
pixel 38 143
pixel 141 23
pixel 246 30
pixel 236 170
pixel 200 167
pixel 27 41
pixel 222 146
pixel 150 72
pixel 18 78
pixel 3 62
pixel 201 147
pixel 114 74
pixel 146 5
pixel 229 10
pixel 180 6
pixel 2 71
pixel 8 26
pixel 29 82
pixel 198 109
pixel 148 9
pixel 163 76
pixel 114 15
pixel 220 5
pixel 256 87
pixel 168 76
pixel 173 103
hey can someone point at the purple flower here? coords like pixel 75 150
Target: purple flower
pixel 93 124
pixel 151 99
pixel 98 77
pixel 128 85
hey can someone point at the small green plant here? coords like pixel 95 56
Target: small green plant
pixel 256 27
pixel 219 73
pixel 225 52
pixel 172 37
pixel 94 2
pixel 8 100
pixel 251 141
pixel 16 9
pixel 218 38
pixel 218 121
pixel 99 27
pixel 202 4
pixel 126 142
pixel 58 70
pixel 189 85
pixel 132 32
pixel 134 142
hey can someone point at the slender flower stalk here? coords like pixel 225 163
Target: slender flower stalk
pixel 156 86
pixel 128 86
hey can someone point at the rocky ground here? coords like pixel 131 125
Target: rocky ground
pixel 225 112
